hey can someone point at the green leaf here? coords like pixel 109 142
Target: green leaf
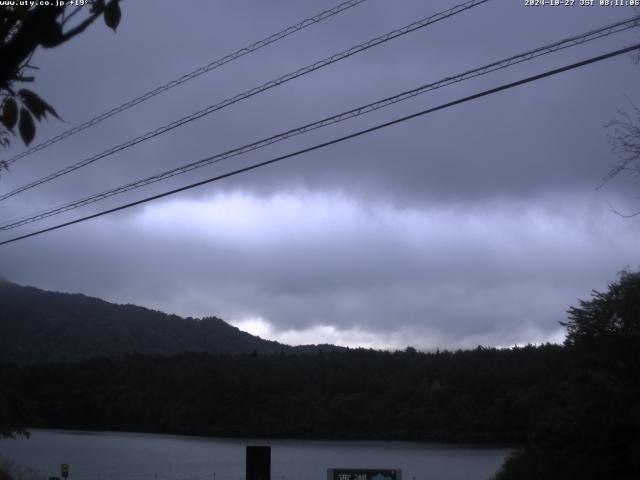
pixel 36 105
pixel 112 15
pixel 26 126
pixel 10 113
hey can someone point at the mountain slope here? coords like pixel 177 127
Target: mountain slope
pixel 38 325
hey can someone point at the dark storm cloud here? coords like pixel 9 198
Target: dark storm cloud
pixel 477 224
pixel 545 135
pixel 498 275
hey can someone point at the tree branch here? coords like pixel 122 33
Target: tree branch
pixel 81 27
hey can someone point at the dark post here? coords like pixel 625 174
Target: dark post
pixel 258 463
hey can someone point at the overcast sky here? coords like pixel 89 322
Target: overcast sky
pixel 478 224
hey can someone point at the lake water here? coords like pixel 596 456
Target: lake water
pixel 124 456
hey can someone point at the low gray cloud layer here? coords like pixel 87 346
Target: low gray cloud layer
pixel 478 224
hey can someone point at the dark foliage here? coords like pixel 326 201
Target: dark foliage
pixel 4 475
pixel 14 415
pixel 594 432
pixel 483 395
pixel 25 27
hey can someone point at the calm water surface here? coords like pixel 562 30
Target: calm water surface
pixel 124 456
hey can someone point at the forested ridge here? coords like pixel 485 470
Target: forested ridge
pixel 38 325
pixel 482 395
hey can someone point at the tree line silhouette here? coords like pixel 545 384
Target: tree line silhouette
pixel 477 396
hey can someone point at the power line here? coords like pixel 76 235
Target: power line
pixel 189 76
pixel 254 91
pixel 334 141
pixel 513 60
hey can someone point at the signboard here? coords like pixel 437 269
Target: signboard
pixel 64 470
pixel 363 474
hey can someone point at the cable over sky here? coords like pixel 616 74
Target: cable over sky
pixel 484 93
pixel 340 117
pixel 254 91
pixel 190 76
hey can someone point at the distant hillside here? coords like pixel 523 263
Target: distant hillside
pixel 38 325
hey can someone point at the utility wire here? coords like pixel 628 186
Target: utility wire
pixel 501 64
pixel 254 91
pixel 334 141
pixel 189 76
